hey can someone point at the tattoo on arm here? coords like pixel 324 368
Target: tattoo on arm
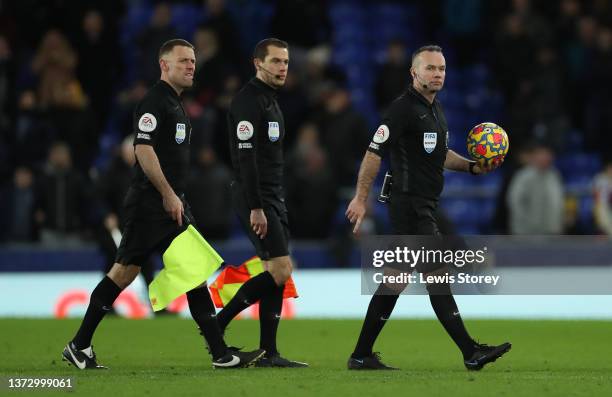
pixel 367 173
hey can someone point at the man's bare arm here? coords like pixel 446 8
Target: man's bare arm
pixel 370 165
pixel 455 162
pixel 367 173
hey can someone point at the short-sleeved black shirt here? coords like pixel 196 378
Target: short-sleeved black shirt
pixel 161 121
pixel 415 134
pixel 256 130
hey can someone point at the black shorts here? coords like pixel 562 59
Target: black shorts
pixel 414 215
pixel 147 232
pixel 276 242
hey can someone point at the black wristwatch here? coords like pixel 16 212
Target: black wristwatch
pixel 471 168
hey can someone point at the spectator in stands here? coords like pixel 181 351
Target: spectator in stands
pixel 536 26
pixel 61 97
pixel 18 207
pixel 462 22
pixel 516 160
pixel 217 127
pixel 311 189
pixel 580 47
pixel 569 13
pixel 209 195
pixel 62 199
pixel 602 186
pixel 546 99
pixel 126 102
pixel 578 55
pixel 310 16
pixel 7 85
pixel 99 62
pixel 394 76
pixel 598 117
pixel 151 39
pixel 535 196
pixel 538 110
pixel 5 160
pixel 514 57
pixel 203 119
pixel 112 186
pixel 320 74
pixel 344 133
pixel 296 108
pixel 33 132
pixel 221 22
pixel 212 68
pixel 55 65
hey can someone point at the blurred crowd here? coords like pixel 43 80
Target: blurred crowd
pixel 70 76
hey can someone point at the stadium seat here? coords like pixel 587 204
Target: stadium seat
pixel 185 18
pixel 587 163
pixel 491 182
pixel 458 180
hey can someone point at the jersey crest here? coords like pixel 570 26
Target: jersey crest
pixel 181 133
pixel 430 139
pixel 273 131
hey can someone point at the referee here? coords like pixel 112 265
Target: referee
pixel 256 134
pixel 415 132
pixel 155 209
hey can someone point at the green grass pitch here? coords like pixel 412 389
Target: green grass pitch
pixel 166 357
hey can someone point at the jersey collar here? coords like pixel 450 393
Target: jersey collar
pixel 169 88
pixel 263 87
pixel 421 98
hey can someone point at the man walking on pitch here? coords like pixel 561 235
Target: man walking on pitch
pixel 415 132
pixel 256 133
pixel 156 210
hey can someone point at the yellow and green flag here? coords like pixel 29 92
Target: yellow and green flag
pixel 188 262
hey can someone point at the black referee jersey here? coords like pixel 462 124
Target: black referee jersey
pixel 161 121
pixel 256 134
pixel 415 134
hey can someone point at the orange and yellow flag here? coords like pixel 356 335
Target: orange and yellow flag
pixel 231 279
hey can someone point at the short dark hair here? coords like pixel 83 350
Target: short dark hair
pixel 169 45
pixel 261 49
pixel 431 48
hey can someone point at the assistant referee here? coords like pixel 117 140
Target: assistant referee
pixel 156 210
pixel 415 133
pixel 256 131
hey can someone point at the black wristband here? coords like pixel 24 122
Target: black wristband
pixel 471 168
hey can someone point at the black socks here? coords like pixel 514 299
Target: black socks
pixel 446 309
pixel 379 310
pixel 444 306
pixel 203 312
pixel 250 292
pixel 100 303
pixel 270 307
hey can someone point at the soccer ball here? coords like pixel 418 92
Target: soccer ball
pixel 487 143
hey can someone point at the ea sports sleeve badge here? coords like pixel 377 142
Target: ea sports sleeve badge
pixel 232 277
pixel 188 262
